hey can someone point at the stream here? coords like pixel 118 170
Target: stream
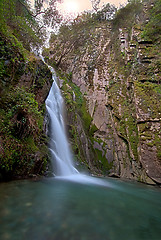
pixel 61 209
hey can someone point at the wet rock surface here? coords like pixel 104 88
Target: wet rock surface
pixel 118 72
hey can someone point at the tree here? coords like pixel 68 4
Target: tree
pixel 17 16
pixel 72 36
pixel 108 11
pixel 44 14
pixel 95 4
pixel 49 12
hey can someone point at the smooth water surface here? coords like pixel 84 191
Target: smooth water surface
pixel 54 209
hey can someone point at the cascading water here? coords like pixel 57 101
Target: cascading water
pixel 63 167
pixel 60 151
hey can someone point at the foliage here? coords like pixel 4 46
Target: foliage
pixel 20 127
pixel 106 13
pixel 21 114
pixel 17 20
pixel 21 135
pixel 153 27
pixel 95 4
pixel 71 37
pixel 50 15
pixel 80 32
pixel 13 57
pixel 78 104
pixel 126 16
pixel 150 95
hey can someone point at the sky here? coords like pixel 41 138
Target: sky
pixel 77 6
pixel 73 6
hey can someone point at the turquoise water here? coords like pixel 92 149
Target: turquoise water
pixel 53 209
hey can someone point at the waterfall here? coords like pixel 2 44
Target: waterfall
pixel 61 157
pixel 59 147
pixel 62 162
pixel 63 167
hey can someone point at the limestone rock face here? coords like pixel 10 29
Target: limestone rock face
pixel 119 74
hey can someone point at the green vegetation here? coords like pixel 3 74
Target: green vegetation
pixel 126 16
pixel 23 151
pixel 21 128
pixel 147 85
pixel 149 95
pixel 100 160
pixel 80 128
pixel 12 60
pixel 126 122
pixel 75 101
pixel 79 34
pixel 152 29
pixel 17 20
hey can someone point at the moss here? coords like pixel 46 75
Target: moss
pixel 30 142
pixel 92 130
pixel 157 89
pixel 79 103
pixel 76 145
pixel 146 137
pixel 150 137
pixel 125 16
pixel 149 96
pixel 122 128
pixel 133 135
pixel 87 119
pixel 124 112
pixel 13 60
pixel 153 27
pixel 159 154
pixel 156 142
pixel 100 159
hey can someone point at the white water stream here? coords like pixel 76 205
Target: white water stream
pixel 60 151
pixel 61 157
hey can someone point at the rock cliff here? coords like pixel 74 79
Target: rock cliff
pixel 117 67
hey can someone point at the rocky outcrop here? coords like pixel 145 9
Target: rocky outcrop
pixel 118 72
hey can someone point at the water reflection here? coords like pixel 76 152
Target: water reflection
pixel 54 209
